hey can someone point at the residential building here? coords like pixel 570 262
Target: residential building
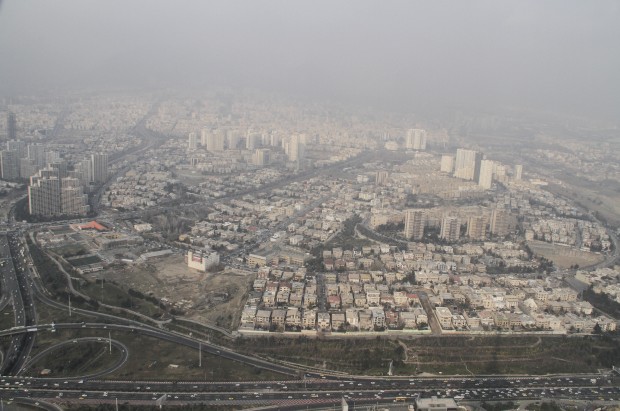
pixel 467 164
pixel 450 229
pixel 99 164
pixel 476 228
pixel 9 165
pixel 415 221
pixel 485 179
pixel 447 163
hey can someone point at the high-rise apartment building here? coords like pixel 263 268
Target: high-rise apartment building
pixel 50 196
pixel 17 146
pixel 9 165
pixel 192 143
pixel 476 228
pixel 415 139
pixel 467 164
pixel 84 172
pixel 99 164
pixel 36 152
pixel 253 141
pixel 72 197
pixel 518 171
pixel 232 138
pixel 450 229
pixel 485 179
pixel 11 126
pixel 262 156
pixel 382 177
pixel 415 220
pixel 204 136
pixel 27 167
pixel 500 222
pixel 295 148
pixel 447 163
pixel 216 141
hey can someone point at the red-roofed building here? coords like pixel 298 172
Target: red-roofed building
pixel 93 225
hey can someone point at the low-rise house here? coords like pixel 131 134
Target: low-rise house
pixel 323 321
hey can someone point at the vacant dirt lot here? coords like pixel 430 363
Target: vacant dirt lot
pixel 211 298
pixel 564 257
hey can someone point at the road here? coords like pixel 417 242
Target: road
pixel 315 391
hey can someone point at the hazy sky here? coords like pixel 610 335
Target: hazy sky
pixel 559 55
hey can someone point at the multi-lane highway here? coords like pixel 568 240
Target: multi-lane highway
pixel 314 391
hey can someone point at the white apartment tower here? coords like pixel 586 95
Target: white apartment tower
pixel 204 135
pixel 447 163
pixel 485 180
pixel 518 171
pixel 216 141
pixel 467 164
pixel 192 143
pixel 415 139
pixel 262 156
pixel 295 148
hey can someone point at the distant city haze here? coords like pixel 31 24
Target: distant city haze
pixel 553 56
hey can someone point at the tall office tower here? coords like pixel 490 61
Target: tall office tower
pixel 295 148
pixel 84 170
pixel 9 165
pixel 253 141
pixel 382 177
pixel 262 156
pixel 476 228
pixel 11 126
pixel 72 197
pixel 500 222
pixel 467 164
pixel 415 221
pixel 36 152
pixel 204 136
pixel 17 146
pixel 99 164
pixel 450 229
pixel 192 143
pixel 216 141
pixel 518 171
pixel 415 139
pixel 447 163
pixel 485 179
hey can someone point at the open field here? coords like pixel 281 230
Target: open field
pixel 434 355
pixel 564 257
pixel 79 358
